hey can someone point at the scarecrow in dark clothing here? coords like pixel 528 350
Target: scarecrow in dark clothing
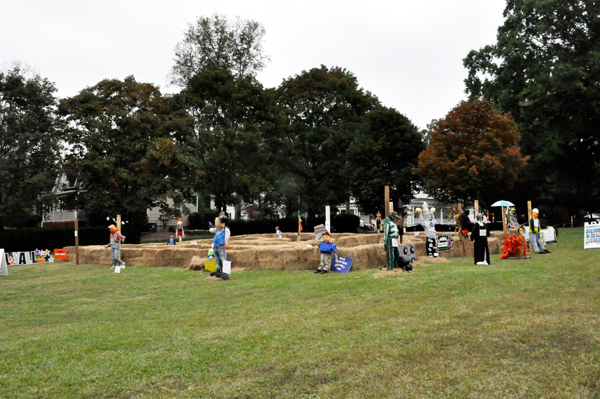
pixel 479 235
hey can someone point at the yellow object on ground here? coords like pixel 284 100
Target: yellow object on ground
pixel 210 265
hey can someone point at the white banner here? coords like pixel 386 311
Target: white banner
pixel 591 235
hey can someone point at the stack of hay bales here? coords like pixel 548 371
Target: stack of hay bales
pixel 264 251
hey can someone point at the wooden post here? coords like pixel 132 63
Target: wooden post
pixel 119 222
pixel 387 202
pixel 476 208
pixel 529 214
pixel 461 228
pixel 504 227
pixel 76 239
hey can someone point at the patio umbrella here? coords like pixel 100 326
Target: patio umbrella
pixel 503 203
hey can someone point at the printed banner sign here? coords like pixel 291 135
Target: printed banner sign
pixel 60 254
pixel 591 235
pixel 444 243
pixel 341 265
pixel 28 257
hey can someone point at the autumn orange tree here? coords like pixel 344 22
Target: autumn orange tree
pixel 472 154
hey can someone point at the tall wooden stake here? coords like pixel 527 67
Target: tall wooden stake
pixel 504 227
pixel 529 214
pixel 387 201
pixel 76 239
pixel 462 240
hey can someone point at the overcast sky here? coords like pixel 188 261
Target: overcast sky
pixel 407 53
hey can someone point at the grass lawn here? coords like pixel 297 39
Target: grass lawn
pixel 515 329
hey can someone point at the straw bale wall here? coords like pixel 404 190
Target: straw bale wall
pixel 263 251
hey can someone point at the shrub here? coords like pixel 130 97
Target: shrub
pixel 13 240
pixel 345 223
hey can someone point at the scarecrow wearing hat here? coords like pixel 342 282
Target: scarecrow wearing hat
pixel 327 249
pixel 534 233
pixel 115 245
pixel 391 234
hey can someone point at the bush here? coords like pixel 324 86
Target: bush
pixel 199 220
pixel 345 223
pixel 14 240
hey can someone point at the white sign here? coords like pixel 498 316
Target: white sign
pixel 394 242
pixel 227 267
pixel 28 257
pixel 118 269
pixel 194 242
pixel 3 268
pixel 591 235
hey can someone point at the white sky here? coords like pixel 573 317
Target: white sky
pixel 407 53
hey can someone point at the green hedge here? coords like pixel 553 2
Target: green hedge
pixel 345 223
pixel 13 240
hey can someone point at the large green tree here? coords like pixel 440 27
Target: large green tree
pixel 29 144
pixel 128 145
pixel 384 154
pixel 472 155
pixel 235 122
pixel 545 70
pixel 324 108
pixel 217 43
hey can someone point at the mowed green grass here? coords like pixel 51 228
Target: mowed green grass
pixel 516 329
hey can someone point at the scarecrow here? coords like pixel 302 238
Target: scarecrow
pixel 115 245
pixel 327 249
pixel 479 235
pixel 428 224
pixel 534 233
pixel 391 234
pixel 180 232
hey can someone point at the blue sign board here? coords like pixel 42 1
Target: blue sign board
pixel 341 265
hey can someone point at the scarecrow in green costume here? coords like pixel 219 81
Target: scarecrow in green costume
pixel 391 234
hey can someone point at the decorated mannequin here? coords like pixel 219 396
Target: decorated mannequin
pixel 115 245
pixel 180 233
pixel 534 233
pixel 511 219
pixel 327 248
pixel 479 235
pixel 391 234
pixel 428 224
pixel 220 244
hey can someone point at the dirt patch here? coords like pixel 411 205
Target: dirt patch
pixel 390 273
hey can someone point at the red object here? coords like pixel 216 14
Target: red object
pixel 60 254
pixel 513 246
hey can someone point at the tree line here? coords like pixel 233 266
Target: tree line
pixel 528 130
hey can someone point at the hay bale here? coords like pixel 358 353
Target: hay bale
pixel 197 263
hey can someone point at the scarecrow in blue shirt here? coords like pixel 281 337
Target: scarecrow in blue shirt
pixel 327 249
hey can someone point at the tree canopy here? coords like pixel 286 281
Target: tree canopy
pixel 472 154
pixel 384 154
pixel 234 119
pixel 29 144
pixel 324 108
pixel 216 43
pixel 544 70
pixel 127 143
